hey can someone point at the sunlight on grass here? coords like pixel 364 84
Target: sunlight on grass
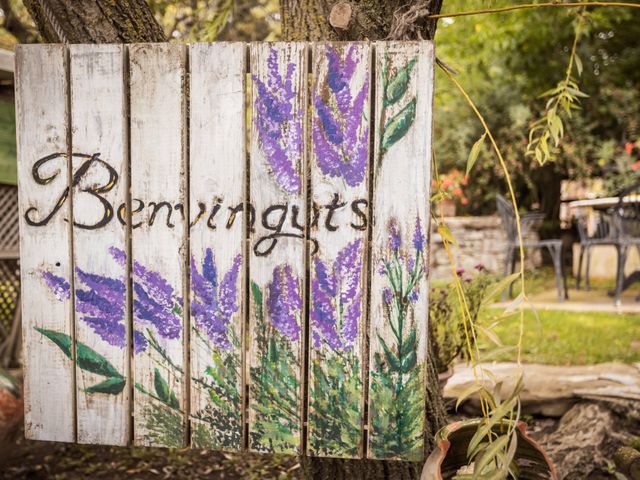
pixel 572 338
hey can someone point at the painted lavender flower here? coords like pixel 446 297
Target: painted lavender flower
pixel 336 305
pixel 155 303
pixel 397 379
pixel 214 302
pixel 99 303
pixel 279 124
pixel 340 130
pixel 284 303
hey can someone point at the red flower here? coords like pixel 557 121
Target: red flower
pixel 628 147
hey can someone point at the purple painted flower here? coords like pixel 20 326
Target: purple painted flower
pixel 279 126
pixel 459 271
pixel 418 236
pixel 340 130
pixel 395 241
pixel 387 296
pixel 100 303
pixel 58 285
pixel 284 303
pixel 213 305
pixel 155 302
pixel 336 306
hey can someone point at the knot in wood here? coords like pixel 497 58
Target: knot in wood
pixel 340 15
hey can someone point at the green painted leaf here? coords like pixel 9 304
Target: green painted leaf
pixel 112 386
pixel 88 359
pixel 409 362
pixel 409 344
pixel 398 84
pixel 163 391
pixel 391 357
pixel 398 126
pixel 62 340
pixel 92 361
pixel 257 298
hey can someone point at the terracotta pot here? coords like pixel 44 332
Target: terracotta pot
pixel 11 409
pixel 451 453
pixel 448 206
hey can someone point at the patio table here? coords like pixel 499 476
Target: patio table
pixel 603 203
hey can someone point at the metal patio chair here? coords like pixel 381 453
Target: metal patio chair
pixel 603 234
pixel 529 222
pixel 626 222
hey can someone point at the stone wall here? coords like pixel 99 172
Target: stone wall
pixel 480 240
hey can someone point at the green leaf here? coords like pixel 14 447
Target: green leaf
pixel 391 357
pixel 93 362
pixel 475 151
pixel 409 344
pixel 161 386
pixel 88 359
pixel 397 86
pixel 62 340
pixel 409 362
pixel 490 453
pixel 257 298
pixel 467 392
pixel 398 126
pixel 112 386
pixel 446 234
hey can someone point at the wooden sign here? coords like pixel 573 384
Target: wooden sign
pixel 227 244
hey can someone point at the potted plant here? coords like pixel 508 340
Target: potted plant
pixel 450 459
pixel 450 190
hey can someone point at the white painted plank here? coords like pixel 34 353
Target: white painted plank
pixel 399 288
pixel 99 144
pixel 217 186
pixel 277 265
pixel 339 169
pixel 158 180
pixel 45 254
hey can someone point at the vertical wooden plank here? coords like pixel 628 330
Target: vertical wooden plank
pixel 45 249
pixel 217 186
pixel 399 289
pixel 98 139
pixel 339 171
pixel 277 264
pixel 158 190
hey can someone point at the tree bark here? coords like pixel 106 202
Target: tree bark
pixel 95 21
pixel 370 20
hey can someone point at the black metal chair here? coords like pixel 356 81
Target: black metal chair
pixel 603 234
pixel 626 222
pixel 529 222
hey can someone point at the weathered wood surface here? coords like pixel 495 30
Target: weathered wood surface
pixel 45 249
pixel 399 286
pixel 159 246
pixel 189 287
pixel 217 190
pixel 99 145
pixel 339 168
pixel 277 260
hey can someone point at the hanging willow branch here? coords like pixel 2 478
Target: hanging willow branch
pixel 525 6
pixel 547 131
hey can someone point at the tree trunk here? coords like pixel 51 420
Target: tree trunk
pixel 128 21
pixel 369 20
pixel 95 21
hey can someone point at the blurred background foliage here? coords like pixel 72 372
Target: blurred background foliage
pixel 505 61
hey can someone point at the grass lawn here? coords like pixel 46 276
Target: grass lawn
pixel 572 338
